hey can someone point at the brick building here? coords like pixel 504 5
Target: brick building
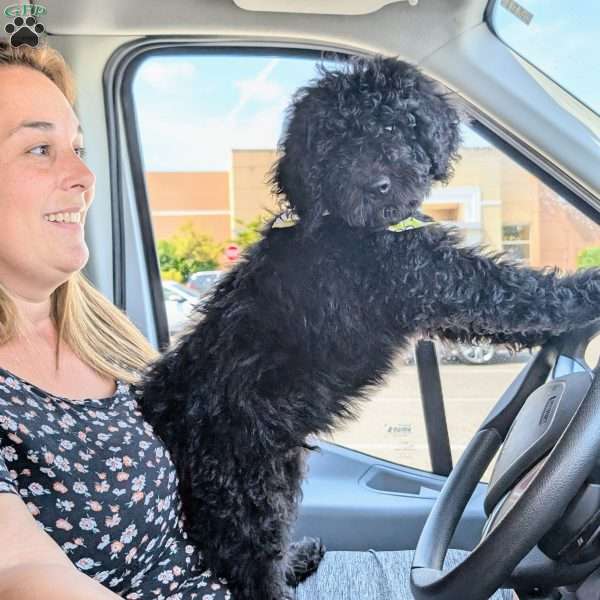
pixel 493 200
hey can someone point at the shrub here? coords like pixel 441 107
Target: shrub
pixel 186 252
pixel 589 257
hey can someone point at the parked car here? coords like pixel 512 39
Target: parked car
pixel 179 304
pixel 472 354
pixel 203 281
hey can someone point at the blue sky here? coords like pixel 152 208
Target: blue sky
pixel 193 110
pixel 561 40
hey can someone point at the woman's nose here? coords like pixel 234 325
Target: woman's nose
pixel 77 173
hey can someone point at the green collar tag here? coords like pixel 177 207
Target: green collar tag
pixel 410 223
pixel 289 219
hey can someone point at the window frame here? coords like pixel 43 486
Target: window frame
pixel 123 68
pixel 488 17
pixel 124 144
pixel 120 96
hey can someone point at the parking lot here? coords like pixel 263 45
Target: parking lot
pixel 391 425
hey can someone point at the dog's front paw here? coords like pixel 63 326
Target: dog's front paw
pixel 303 559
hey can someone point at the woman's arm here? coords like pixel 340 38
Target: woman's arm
pixel 51 582
pixel 32 564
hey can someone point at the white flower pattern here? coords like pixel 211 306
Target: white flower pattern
pixel 102 485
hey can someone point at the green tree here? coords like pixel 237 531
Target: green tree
pixel 589 257
pixel 250 232
pixel 186 252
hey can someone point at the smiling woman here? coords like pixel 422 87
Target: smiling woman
pixel 67 357
pixel 48 311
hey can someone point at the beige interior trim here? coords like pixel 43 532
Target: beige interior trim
pixel 318 7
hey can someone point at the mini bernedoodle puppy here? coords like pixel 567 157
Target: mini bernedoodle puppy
pixel 313 315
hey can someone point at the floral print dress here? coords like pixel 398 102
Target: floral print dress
pixel 102 485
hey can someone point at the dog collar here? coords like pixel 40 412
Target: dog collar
pixel 289 219
pixel 286 219
pixel 410 223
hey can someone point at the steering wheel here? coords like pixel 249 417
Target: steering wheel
pixel 507 553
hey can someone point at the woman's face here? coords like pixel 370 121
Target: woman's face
pixel 41 174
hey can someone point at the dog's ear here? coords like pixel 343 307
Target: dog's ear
pixel 289 176
pixel 437 131
pixel 293 177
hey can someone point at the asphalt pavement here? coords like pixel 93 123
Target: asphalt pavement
pixel 391 423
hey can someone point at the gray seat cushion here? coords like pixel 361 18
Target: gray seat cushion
pixel 369 576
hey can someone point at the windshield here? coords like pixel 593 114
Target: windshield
pixel 559 38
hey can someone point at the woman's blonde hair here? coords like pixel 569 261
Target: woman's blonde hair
pixel 96 330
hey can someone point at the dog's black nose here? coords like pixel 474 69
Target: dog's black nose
pixel 381 185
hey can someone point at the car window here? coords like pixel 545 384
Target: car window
pixel 532 27
pixel 209 125
pixel 497 203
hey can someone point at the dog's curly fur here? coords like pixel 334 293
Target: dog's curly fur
pixel 313 315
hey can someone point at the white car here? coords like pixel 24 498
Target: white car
pixel 203 281
pixel 179 304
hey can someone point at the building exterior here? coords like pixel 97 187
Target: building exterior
pixel 199 197
pixel 493 200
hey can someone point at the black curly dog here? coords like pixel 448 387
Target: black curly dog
pixel 313 315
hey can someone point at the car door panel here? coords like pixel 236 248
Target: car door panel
pixel 353 501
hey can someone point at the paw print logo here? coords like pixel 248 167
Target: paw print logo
pixel 24 31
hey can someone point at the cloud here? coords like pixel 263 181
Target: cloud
pixel 259 88
pixel 261 130
pixel 172 144
pixel 166 76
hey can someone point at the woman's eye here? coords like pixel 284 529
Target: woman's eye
pixel 37 148
pixel 81 152
pixel 390 128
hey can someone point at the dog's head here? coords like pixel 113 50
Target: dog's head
pixel 365 142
